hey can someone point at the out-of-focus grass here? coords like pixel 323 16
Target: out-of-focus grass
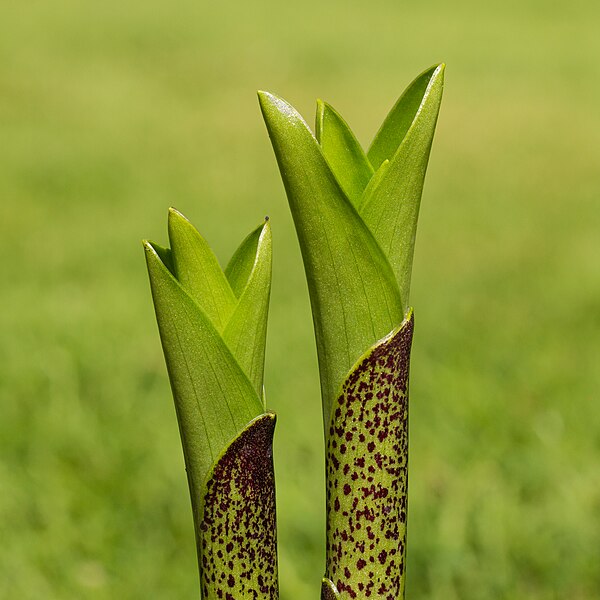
pixel 110 112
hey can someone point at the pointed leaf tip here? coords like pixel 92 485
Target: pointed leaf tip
pixel 198 271
pixel 249 273
pixel 401 116
pixel 391 210
pixel 349 278
pixel 269 102
pixel 213 397
pixel 343 152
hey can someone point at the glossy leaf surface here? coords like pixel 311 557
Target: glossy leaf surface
pixel 246 332
pixel 198 271
pixel 392 210
pixel 353 290
pixel 214 398
pixel 344 154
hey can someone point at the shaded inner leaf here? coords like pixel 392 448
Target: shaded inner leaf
pixel 344 154
pixel 246 331
pixel 366 469
pixel 391 210
pixel 166 256
pixel 373 184
pixel 236 302
pixel 242 262
pixel 399 119
pixel 238 532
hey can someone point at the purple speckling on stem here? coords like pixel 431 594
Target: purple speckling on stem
pixel 367 474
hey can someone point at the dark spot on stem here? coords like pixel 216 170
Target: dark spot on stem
pixel 367 481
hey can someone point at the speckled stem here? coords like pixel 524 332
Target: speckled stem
pixel 237 532
pixel 366 467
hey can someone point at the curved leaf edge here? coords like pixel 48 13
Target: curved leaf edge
pixel 367 473
pixel 389 170
pixel 197 269
pixel 292 112
pixel 409 316
pixel 349 163
pixel 253 243
pixel 284 122
pixel 246 331
pixel 374 148
pixel 159 251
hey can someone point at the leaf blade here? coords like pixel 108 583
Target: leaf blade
pixel 392 210
pixel 399 119
pixel 240 265
pixel 198 271
pixel 373 184
pixel 342 151
pixel 246 331
pixel 349 278
pixel 214 399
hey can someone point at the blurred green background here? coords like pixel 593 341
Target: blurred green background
pixel 112 111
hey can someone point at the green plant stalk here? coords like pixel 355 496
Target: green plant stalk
pixel 212 325
pixel 356 216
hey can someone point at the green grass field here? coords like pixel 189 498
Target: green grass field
pixel 110 112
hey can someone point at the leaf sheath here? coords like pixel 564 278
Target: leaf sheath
pixel 238 533
pixel 366 469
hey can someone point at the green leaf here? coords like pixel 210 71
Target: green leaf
pixel 344 154
pixel 366 469
pixel 246 331
pixel 238 533
pixel 166 256
pixel 353 290
pixel 373 184
pixel 214 399
pixel 242 262
pixel 198 271
pixel 392 209
pixel 400 118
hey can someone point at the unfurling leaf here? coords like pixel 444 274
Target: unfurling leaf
pixel 392 210
pixel 353 290
pixel 213 331
pixel 213 397
pixel 356 217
